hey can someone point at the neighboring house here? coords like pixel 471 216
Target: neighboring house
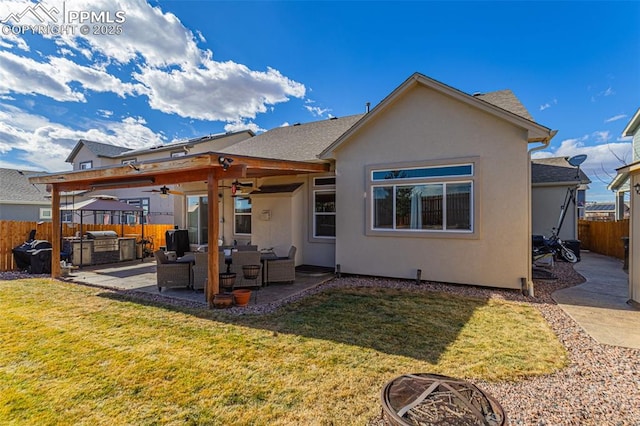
pixel 22 200
pixel 603 211
pixel 158 209
pixel 552 179
pixel 620 184
pixel 628 178
pixel 431 179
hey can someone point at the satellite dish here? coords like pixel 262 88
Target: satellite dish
pixel 576 160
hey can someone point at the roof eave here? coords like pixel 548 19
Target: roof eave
pixel 537 132
pixel 633 125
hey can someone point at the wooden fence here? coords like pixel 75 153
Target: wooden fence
pixel 13 233
pixel 603 237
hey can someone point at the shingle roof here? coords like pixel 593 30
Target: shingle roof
pixel 555 170
pixel 16 187
pixel 506 100
pixel 299 142
pixel 99 149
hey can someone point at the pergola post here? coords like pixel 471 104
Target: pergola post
pixel 213 219
pixel 56 231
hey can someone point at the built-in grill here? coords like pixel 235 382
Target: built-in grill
pixel 103 240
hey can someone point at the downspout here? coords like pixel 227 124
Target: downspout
pixel 529 280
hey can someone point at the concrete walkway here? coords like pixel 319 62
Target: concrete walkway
pixel 600 305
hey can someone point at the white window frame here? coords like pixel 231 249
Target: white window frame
pixel 45 213
pixel 129 161
pixel 235 214
pixel 85 165
pixel 473 179
pixel 316 213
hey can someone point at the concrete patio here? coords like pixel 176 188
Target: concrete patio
pixel 141 276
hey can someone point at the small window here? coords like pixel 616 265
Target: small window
pixel 178 154
pixel 324 181
pixel 129 161
pixel 45 213
pixel 66 216
pixel 324 214
pixel 85 165
pixel 242 215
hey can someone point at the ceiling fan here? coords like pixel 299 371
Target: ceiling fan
pixel 164 191
pixel 236 186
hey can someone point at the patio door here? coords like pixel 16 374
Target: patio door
pixel 197 226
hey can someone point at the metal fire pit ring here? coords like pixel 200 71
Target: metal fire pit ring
pixel 433 399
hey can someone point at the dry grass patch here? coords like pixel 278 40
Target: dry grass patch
pixel 68 355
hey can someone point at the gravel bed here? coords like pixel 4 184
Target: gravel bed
pixel 600 386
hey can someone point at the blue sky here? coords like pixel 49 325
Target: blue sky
pixel 185 69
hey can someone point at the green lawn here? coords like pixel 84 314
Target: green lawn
pixel 77 355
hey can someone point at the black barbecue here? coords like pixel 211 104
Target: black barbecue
pixel 33 256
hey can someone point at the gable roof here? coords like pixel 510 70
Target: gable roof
pixel 16 188
pixel 556 170
pixel 299 142
pixel 507 103
pixel 98 149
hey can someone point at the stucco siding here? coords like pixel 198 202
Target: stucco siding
pixel 546 203
pixel 424 125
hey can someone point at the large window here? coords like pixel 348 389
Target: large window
pixel 242 215
pixel 423 199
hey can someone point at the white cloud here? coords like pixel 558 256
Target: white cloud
pixel 26 76
pixel 615 118
pixel 601 136
pixel 240 126
pixel 317 111
pixel 602 160
pixel 224 91
pixel 44 144
pixel 168 66
pixel 548 104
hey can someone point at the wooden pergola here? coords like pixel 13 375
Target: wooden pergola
pixel 208 167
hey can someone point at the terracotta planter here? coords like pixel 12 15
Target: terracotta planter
pixel 241 297
pixel 221 301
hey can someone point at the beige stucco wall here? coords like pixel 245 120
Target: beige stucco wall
pixel 426 125
pixel 546 204
pixel 288 225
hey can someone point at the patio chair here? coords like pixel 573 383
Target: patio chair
pixel 240 259
pixel 171 274
pixel 201 269
pixel 282 269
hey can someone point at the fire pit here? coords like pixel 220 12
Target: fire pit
pixel 432 399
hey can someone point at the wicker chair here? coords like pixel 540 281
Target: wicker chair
pixel 201 269
pixel 171 274
pixel 240 259
pixel 282 269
